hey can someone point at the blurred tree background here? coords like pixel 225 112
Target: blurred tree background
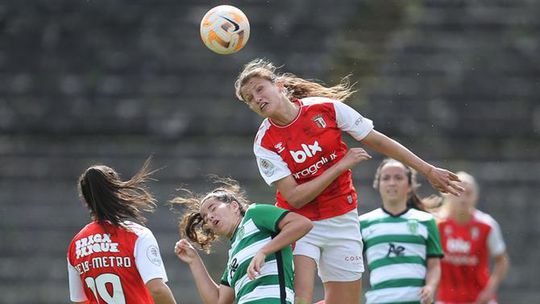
pixel 100 81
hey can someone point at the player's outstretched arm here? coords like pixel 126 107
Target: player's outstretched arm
pixel 441 179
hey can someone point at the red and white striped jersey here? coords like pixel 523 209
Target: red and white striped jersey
pixel 109 264
pixel 467 249
pixel 307 147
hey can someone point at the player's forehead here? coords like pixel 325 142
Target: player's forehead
pixel 253 82
pixel 393 168
pixel 206 204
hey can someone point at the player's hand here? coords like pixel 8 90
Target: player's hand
pixel 444 181
pixel 427 295
pixel 185 251
pixel 353 157
pixel 485 296
pixel 254 268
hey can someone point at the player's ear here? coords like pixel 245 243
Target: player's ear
pixel 235 206
pixel 279 83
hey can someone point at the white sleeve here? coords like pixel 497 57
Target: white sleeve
pixel 350 121
pixel 148 258
pixel 495 240
pixel 76 290
pixel 271 166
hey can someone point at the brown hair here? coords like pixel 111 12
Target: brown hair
pixel 192 224
pixel 296 87
pixel 413 201
pixel 110 199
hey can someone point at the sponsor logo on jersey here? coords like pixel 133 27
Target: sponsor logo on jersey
pixel 394 250
pixel 458 245
pixel 460 259
pixel 233 267
pixel 300 156
pixel 359 121
pixel 319 121
pixel 313 169
pixel 267 167
pixel 95 243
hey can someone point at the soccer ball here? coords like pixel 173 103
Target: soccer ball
pixel 225 29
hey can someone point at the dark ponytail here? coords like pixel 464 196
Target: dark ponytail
pixel 110 199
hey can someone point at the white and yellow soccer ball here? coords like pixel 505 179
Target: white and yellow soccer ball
pixel 225 29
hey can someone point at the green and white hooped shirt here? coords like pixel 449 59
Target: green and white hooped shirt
pixel 396 248
pixel 275 282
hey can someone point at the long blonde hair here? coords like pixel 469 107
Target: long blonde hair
pixel 296 87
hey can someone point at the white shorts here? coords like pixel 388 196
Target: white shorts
pixel 336 246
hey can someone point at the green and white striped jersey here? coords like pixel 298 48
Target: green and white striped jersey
pixel 275 282
pixel 396 248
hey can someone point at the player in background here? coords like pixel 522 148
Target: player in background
pixel 402 246
pixel 260 265
pixel 112 259
pixel 299 150
pixel 469 239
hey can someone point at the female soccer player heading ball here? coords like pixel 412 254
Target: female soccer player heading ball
pixel 299 150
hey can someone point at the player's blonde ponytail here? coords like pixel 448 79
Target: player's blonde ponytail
pixel 296 87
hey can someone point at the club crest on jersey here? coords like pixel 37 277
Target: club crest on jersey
pixel 319 121
pixel 475 233
pixel 413 226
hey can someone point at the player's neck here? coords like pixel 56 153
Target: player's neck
pixel 395 208
pixel 287 114
pixel 462 217
pixel 229 235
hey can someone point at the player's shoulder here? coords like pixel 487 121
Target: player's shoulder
pixel 255 208
pixel 484 218
pixel 310 101
pixel 372 215
pixel 420 215
pixel 262 131
pixel 137 229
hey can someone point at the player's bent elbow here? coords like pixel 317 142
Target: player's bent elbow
pixel 157 287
